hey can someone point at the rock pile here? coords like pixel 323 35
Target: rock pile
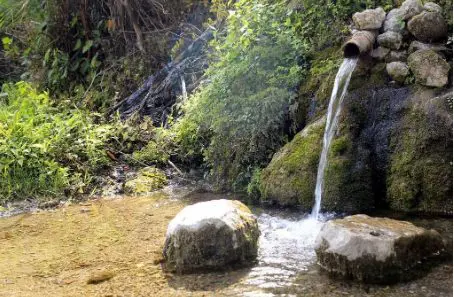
pixel 404 32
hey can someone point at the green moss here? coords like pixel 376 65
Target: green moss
pixel 347 185
pixel 420 174
pixel 290 177
pixel 148 179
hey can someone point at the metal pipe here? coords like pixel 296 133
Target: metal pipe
pixel 360 43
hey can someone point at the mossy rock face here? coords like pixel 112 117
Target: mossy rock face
pixel 355 178
pixel 148 179
pixel 420 171
pixel 348 186
pixel 290 177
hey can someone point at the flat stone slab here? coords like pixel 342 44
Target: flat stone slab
pixel 211 236
pixel 375 250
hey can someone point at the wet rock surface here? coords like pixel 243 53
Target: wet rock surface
pixel 429 68
pixel 375 250
pixel 211 235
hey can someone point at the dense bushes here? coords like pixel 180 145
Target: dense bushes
pixel 241 116
pixel 46 150
pixel 252 78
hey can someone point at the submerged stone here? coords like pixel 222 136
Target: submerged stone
pixel 375 250
pixel 211 236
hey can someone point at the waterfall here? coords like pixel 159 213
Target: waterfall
pixel 337 96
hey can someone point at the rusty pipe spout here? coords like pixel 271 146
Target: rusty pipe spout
pixel 360 43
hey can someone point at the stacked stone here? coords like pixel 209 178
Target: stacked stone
pixel 406 43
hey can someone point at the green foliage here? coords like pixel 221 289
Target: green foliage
pixel 45 150
pixel 324 23
pixel 148 179
pixel 253 73
pixel 158 149
pixel 253 188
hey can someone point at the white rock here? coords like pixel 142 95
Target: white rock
pixel 374 249
pixel 211 235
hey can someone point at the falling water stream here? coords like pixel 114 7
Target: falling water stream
pixel 335 103
pixel 286 245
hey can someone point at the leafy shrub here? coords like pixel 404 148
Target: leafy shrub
pixel 158 149
pixel 45 150
pixel 252 77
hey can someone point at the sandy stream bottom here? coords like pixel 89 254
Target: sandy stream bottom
pixel 55 253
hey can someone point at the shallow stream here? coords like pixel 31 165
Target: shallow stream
pixel 52 253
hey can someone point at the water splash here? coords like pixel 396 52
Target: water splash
pixel 340 84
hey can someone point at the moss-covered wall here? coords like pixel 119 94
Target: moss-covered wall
pixel 420 171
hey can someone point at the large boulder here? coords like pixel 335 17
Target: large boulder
pixel 428 26
pixel 429 68
pixel 390 39
pixel 375 250
pixel 394 21
pixel 211 235
pixel 290 177
pixel 411 8
pixel 369 19
pixel 398 71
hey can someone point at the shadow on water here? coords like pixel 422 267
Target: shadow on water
pixel 209 280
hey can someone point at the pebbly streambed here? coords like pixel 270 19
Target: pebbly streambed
pixel 56 252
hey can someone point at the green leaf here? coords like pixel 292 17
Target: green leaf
pixel 6 41
pixel 78 45
pixel 87 46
